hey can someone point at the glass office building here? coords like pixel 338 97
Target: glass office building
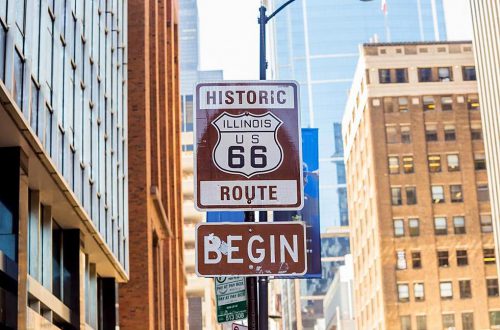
pixel 316 43
pixel 63 151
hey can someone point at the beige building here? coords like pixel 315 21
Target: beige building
pixel 487 52
pixel 199 290
pixel 421 229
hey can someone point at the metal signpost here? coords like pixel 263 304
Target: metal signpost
pixel 248 157
pixel 231 299
pixel 251 249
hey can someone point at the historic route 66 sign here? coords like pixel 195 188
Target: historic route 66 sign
pixel 247 143
pixel 248 146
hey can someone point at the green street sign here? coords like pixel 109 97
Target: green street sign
pixel 231 298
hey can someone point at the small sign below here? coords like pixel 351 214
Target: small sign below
pixel 231 298
pixel 251 249
pixel 236 326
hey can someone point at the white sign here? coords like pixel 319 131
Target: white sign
pixel 236 326
pixel 247 143
pixel 248 146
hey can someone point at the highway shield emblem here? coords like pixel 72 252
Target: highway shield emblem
pixel 247 143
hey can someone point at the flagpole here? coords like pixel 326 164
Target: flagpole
pixel 387 30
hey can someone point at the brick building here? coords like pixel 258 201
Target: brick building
pixel 63 168
pixel 154 297
pixel 421 228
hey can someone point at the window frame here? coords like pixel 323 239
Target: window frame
pixel 459 230
pixel 434 195
pixel 465 289
pixel 450 289
pixel 443 258
pixel 453 194
pixel 440 230
pixel 462 257
pixel 453 169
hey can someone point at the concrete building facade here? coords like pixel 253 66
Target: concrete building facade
pixel 154 298
pixel 63 145
pixel 487 52
pixel 421 225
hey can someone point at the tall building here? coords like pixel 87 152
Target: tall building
pixel 421 226
pixel 338 303
pixel 487 52
pixel 316 43
pixel 64 237
pixel 199 291
pixel 154 298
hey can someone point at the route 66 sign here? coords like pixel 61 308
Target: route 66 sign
pixel 248 146
pixel 247 143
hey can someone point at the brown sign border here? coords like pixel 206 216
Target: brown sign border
pixel 281 223
pixel 261 207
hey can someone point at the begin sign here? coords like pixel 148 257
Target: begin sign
pixel 248 146
pixel 250 249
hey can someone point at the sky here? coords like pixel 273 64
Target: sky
pixel 229 34
pixel 229 37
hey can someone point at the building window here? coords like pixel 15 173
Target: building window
pixel 428 103
pixel 440 227
pixel 465 289
pixel 414 227
pixel 424 74
pixel 405 134
pixel 462 258
pixel 401 75
pixel 391 134
pixel 418 290
pixel 437 194
pixel 405 322
pixel 492 287
pixel 483 194
pixel 388 105
pixel 384 76
pixel 453 162
pixel 396 196
pixel 399 229
pixel 449 132
pixel 393 164
pixel 401 260
pixel 495 319
pixel 421 322
pixel 486 224
pixel 446 103
pixel 444 74
pixel 408 166
pixel 434 163
pixel 411 195
pixel 403 293
pixel 431 132
pixel 489 256
pixel 416 259
pixel 467 321
pixel 456 193
pixel 473 102
pixel 446 290
pixel 469 73
pixel 443 259
pixel 449 321
pixel 479 161
pixel 403 104
pixel 459 225
pixel 476 132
